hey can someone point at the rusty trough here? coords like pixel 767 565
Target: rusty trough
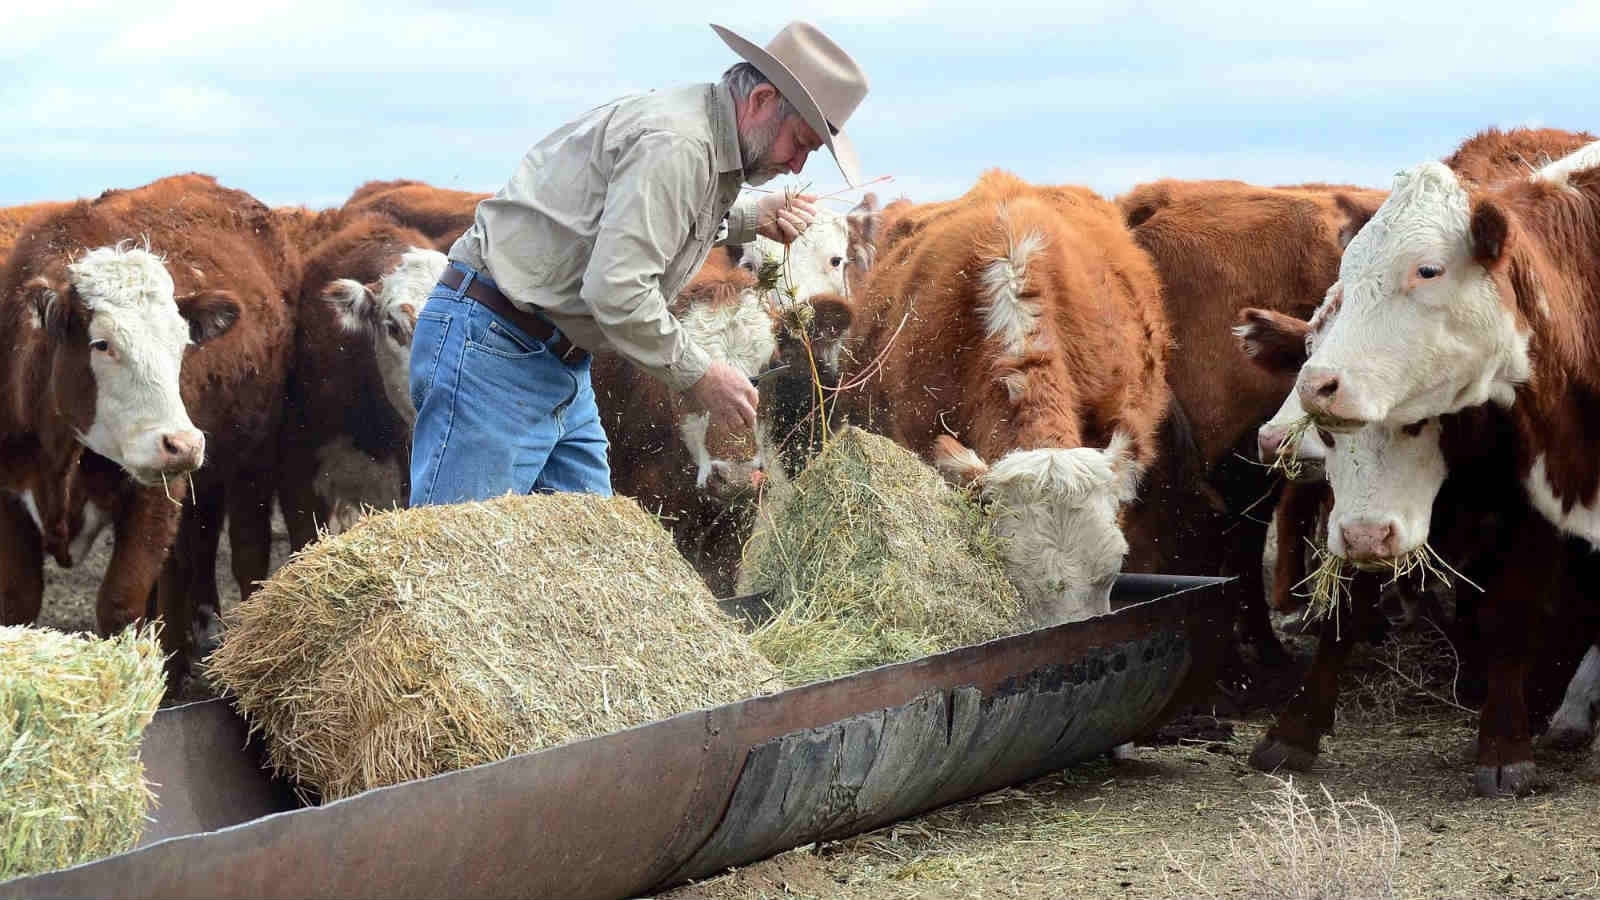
pixel 640 810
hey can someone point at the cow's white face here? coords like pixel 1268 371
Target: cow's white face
pixel 1423 329
pixel 1384 482
pixel 818 260
pixel 136 338
pixel 1056 511
pixel 729 462
pixel 387 313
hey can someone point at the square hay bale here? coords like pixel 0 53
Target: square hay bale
pixel 73 710
pixel 441 637
pixel 870 558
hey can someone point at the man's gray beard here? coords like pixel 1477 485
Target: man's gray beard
pixel 754 148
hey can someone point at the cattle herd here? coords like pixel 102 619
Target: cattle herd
pixel 181 356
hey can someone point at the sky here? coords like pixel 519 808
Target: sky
pixel 300 101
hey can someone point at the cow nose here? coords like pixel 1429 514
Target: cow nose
pixel 1368 540
pixel 1268 439
pixel 1318 389
pixel 182 451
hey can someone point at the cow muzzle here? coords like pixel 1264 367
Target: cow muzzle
pixel 1331 400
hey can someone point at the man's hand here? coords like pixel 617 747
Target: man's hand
pixel 727 394
pixel 782 215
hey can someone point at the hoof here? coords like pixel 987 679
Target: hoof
pixel 1273 753
pixel 1513 780
pixel 206 633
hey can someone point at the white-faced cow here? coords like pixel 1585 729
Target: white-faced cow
pixel 1015 338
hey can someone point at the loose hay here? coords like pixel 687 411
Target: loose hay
pixel 72 714
pixel 870 558
pixel 441 637
pixel 1328 585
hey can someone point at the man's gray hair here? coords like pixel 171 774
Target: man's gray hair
pixel 743 78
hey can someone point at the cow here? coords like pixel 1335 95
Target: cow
pixel 443 214
pixel 1493 286
pixel 15 219
pixel 346 438
pixel 130 314
pixel 702 477
pixel 1015 339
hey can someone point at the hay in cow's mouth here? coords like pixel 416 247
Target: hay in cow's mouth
pixel 870 558
pixel 1287 460
pixel 1328 585
pixel 440 637
pixel 73 711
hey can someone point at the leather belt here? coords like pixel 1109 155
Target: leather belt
pixel 536 326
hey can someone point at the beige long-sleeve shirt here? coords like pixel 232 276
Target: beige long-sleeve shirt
pixel 607 218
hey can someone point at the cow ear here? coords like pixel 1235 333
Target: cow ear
pixel 1491 230
pixel 864 221
pixel 831 316
pixel 356 303
pixel 957 463
pixel 1357 213
pixel 210 314
pixel 1273 341
pixel 53 307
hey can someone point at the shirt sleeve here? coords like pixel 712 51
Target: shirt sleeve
pixel 741 221
pixel 656 185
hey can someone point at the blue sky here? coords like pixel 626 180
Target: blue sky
pixel 299 101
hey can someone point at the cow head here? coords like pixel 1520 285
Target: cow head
pixel 1425 327
pixel 386 312
pixel 1057 512
pixel 1384 482
pixel 1269 339
pixel 826 257
pixel 118 336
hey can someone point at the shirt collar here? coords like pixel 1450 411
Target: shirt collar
pixel 725 129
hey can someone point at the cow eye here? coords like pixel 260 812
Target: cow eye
pixel 1415 428
pixel 836 261
pixel 100 346
pixel 1429 271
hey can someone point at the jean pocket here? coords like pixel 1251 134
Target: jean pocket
pixel 498 340
pixel 426 343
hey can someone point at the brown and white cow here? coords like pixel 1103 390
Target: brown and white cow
pixel 443 214
pixel 701 476
pixel 347 428
pixel 115 348
pixel 1008 336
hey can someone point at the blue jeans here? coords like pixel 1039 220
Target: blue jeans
pixel 496 411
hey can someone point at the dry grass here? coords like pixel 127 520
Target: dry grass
pixel 1339 849
pixel 1287 460
pixel 72 715
pixel 436 638
pixel 1327 587
pixel 870 558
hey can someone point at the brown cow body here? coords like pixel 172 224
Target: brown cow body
pixel 443 214
pixel 1026 323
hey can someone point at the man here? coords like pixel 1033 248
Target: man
pixel 601 225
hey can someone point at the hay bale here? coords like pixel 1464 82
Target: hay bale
pixel 73 711
pixel 870 558
pixel 441 637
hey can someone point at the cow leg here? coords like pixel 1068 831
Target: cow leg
pixel 250 530
pixel 21 564
pixel 1255 621
pixel 1296 518
pixel 302 508
pixel 143 533
pixel 1294 741
pixel 1511 601
pixel 189 580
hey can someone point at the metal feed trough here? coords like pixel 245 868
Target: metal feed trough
pixel 640 810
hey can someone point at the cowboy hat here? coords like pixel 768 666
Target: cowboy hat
pixel 821 81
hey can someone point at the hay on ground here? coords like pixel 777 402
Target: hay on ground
pixel 436 638
pixel 73 711
pixel 870 558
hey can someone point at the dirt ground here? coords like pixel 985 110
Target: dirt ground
pixel 1169 822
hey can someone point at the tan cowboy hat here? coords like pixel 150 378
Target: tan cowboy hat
pixel 817 77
